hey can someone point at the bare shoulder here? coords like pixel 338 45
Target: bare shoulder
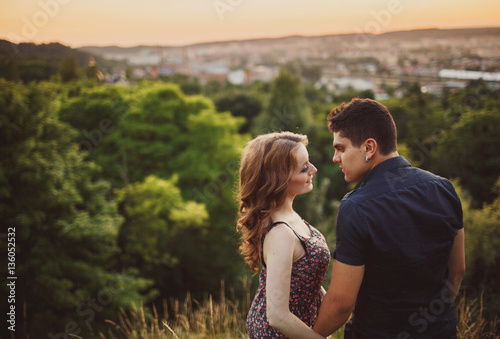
pixel 279 232
pixel 280 239
pixel 279 247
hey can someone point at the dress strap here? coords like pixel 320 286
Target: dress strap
pixel 282 222
pixel 302 241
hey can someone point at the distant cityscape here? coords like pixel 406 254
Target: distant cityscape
pixel 436 58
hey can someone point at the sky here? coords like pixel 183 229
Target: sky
pixel 182 22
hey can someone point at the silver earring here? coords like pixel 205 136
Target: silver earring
pixel 366 158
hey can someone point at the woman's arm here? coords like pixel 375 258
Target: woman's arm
pixel 279 246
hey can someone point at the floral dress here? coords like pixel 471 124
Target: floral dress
pixel 308 273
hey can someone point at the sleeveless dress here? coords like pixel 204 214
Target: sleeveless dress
pixel 308 273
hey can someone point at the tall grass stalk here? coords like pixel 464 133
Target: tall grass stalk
pixel 225 319
pixel 189 319
pixel 471 323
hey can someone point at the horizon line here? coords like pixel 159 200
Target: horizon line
pixel 251 39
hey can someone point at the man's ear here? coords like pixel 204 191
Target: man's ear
pixel 371 147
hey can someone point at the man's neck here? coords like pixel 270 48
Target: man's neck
pixel 379 158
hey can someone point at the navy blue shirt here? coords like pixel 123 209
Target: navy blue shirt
pixel 400 222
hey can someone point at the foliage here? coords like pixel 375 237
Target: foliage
pixel 136 199
pixel 482 242
pixel 159 131
pixel 157 218
pixel 31 62
pixel 96 112
pixel 287 108
pixel 239 104
pixel 65 227
pixel 188 85
pixel 68 69
pixel 471 144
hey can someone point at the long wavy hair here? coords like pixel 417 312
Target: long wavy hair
pixel 267 165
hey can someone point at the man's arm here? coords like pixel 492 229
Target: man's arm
pixel 456 263
pixel 340 298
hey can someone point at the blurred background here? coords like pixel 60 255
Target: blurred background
pixel 122 124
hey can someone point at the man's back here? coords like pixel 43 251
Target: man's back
pixel 400 222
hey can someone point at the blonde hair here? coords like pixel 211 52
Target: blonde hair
pixel 267 165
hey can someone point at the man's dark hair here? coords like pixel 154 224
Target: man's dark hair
pixel 361 119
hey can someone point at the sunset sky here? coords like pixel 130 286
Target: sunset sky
pixel 180 22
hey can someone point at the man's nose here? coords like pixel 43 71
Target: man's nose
pixel 336 158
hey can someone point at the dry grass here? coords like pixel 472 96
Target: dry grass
pixel 189 319
pixel 225 319
pixel 471 323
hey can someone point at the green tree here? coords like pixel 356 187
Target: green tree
pixel 168 134
pixel 469 152
pixel 86 110
pixel 97 113
pixel 240 104
pixel 482 240
pixel 287 109
pixel 69 69
pixel 65 228
pixel 8 68
pixel 311 72
pixel 157 218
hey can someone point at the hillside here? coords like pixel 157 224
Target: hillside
pixel 29 61
pixel 432 33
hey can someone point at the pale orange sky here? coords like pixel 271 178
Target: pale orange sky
pixel 181 22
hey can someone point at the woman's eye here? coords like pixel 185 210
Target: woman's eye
pixel 305 169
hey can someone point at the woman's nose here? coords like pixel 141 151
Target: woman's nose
pixel 313 169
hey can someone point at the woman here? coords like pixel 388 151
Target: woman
pixel 294 256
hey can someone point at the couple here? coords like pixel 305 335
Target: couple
pixel 399 256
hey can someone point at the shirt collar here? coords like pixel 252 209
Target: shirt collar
pixel 384 166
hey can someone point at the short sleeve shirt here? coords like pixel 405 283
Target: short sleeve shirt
pixel 400 222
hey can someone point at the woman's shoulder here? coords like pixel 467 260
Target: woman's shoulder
pixel 280 227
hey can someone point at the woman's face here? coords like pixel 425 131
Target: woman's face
pixel 301 181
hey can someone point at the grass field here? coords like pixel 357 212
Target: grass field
pixel 225 319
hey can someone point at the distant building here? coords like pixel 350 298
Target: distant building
pixel 264 73
pixel 238 77
pixel 381 94
pixel 469 75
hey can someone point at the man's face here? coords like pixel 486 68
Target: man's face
pixel 351 159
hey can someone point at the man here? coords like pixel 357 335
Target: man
pixel 399 256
